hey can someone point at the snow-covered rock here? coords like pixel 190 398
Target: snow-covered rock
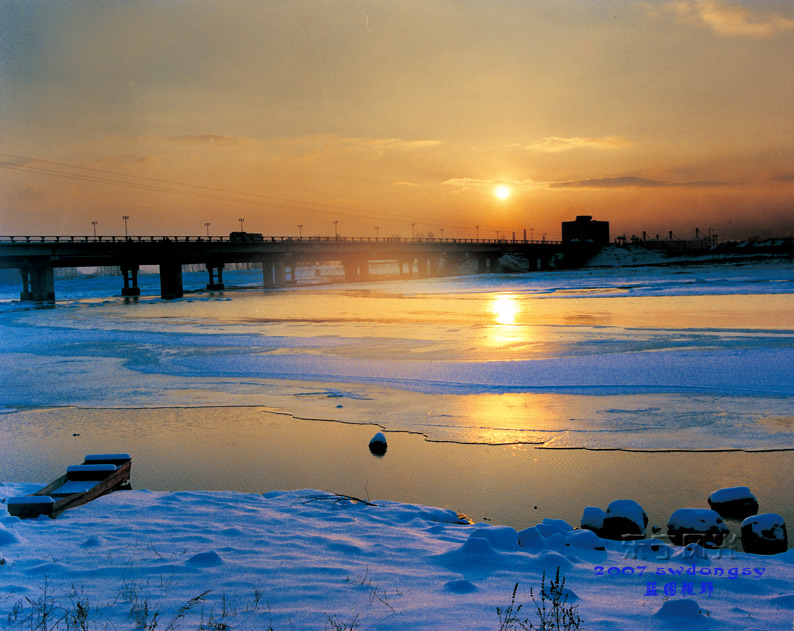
pixel 764 534
pixel 624 519
pixel 696 525
pixel 593 519
pixel 737 502
pixel 378 445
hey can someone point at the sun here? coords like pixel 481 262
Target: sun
pixel 502 191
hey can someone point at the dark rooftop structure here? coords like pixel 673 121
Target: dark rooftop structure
pixel 585 230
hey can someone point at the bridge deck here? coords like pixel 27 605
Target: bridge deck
pixel 37 256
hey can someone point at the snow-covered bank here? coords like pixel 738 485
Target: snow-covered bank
pixel 289 560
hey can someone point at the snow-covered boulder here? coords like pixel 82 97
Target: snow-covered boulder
pixel 764 534
pixel 736 501
pixel 624 519
pixel 696 525
pixel 378 444
pixel 593 519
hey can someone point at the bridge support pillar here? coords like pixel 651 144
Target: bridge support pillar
pixel 268 280
pixel 280 272
pixel 130 274
pixel 38 283
pixel 356 268
pixel 215 271
pixel 171 280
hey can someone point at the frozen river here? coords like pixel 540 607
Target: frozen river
pixel 498 393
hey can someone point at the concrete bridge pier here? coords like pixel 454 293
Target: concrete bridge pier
pixel 215 271
pixel 171 280
pixel 268 279
pixel 280 272
pixel 356 269
pixel 38 283
pixel 130 274
pixel 274 272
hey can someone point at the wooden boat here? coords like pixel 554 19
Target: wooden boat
pixel 98 475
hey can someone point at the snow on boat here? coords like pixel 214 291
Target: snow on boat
pixel 99 474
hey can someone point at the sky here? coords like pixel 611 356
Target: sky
pixel 396 118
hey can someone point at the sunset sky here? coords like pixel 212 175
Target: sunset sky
pixel 405 115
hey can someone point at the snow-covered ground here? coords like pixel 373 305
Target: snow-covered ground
pixel 304 560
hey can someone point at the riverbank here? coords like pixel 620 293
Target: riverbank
pixel 308 560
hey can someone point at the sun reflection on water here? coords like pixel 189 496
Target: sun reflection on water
pixel 505 309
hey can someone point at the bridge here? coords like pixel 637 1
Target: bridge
pixel 36 257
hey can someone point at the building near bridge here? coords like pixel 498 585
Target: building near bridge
pixel 585 230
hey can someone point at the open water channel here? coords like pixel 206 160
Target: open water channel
pixel 508 398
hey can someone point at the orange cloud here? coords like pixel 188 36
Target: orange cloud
pixel 554 144
pixel 731 20
pixel 630 182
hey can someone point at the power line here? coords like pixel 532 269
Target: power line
pixel 212 193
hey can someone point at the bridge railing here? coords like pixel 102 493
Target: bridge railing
pixel 28 239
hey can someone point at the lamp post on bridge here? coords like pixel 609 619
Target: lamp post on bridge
pixel 241 220
pixel 376 232
pixel 336 232
pixel 125 218
pixel 94 223
pixel 477 233
pixel 300 230
pixel 412 231
pixel 207 225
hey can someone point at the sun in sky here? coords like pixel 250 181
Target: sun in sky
pixel 502 191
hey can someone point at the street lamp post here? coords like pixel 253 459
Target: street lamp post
pixel 412 231
pixel 300 230
pixel 336 232
pixel 125 218
pixel 477 233
pixel 442 234
pixel 207 225
pixel 94 223
pixel 376 232
pixel 241 220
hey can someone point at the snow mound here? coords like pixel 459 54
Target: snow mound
pixel 681 608
pixel 7 537
pixel 205 559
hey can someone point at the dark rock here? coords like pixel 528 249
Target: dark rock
pixel 624 519
pixel 696 525
pixel 735 502
pixel 764 534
